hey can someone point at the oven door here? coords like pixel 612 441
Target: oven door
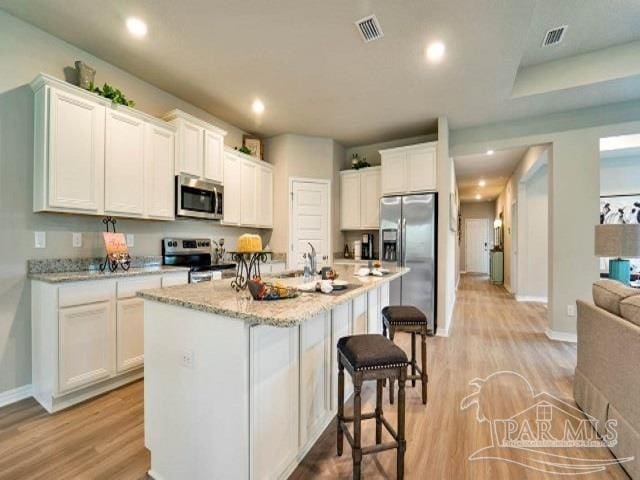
pixel 197 198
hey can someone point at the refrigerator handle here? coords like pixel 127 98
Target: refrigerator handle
pixel 404 242
pixel 399 243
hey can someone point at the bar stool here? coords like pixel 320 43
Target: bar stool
pixel 371 357
pixel 405 318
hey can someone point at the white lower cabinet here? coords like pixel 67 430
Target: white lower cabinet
pixel 360 320
pixel 315 377
pixel 88 337
pixel 342 325
pixel 273 403
pixel 86 353
pixel 129 334
pixel 374 317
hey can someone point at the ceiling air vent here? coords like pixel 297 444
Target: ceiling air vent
pixel 369 28
pixel 554 36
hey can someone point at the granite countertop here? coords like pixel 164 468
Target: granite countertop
pixel 219 298
pixel 83 275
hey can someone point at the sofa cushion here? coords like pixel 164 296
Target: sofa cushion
pixel 630 309
pixel 608 294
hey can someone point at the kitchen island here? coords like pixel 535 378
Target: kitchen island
pixel 239 389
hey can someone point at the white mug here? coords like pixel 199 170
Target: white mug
pixel 326 286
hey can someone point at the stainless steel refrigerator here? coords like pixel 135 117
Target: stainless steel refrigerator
pixel 408 236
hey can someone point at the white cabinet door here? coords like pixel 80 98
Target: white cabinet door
pixel 315 376
pixel 360 319
pixel 190 144
pixel 420 170
pixel 85 345
pixel 248 189
pixel 265 196
pixel 273 399
pixel 124 164
pixel 159 181
pixel 349 200
pixel 370 198
pixel 232 193
pixel 342 325
pixel 393 172
pixel 213 156
pixel 76 153
pixel 129 334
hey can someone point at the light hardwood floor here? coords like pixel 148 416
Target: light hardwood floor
pixel 103 438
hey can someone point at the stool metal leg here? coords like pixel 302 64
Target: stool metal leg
pixel 402 443
pixel 424 379
pixel 340 415
pixel 391 380
pixel 413 357
pixel 379 384
pixel 357 439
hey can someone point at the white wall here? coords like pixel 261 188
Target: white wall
pixel 303 156
pixel 574 172
pixel 534 239
pixel 371 151
pixel 24 52
pixel 474 210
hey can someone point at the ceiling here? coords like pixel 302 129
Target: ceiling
pixel 494 169
pixel 306 61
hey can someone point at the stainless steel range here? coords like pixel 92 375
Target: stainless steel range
pixel 195 253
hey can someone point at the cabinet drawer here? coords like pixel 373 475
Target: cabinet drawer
pixel 128 288
pixel 85 292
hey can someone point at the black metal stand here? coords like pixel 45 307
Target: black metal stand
pixel 112 262
pixel 247 267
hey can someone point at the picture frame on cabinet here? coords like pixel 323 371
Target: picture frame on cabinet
pixel 254 144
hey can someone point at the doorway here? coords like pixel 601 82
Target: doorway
pixel 309 220
pixel 477 245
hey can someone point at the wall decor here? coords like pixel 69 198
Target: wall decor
pixel 254 145
pixel 620 208
pixel 86 74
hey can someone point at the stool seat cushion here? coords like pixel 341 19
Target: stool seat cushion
pixel 403 315
pixel 371 352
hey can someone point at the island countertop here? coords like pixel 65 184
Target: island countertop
pixel 219 298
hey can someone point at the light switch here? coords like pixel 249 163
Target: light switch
pixel 131 240
pixel 76 239
pixel 40 239
pixel 571 310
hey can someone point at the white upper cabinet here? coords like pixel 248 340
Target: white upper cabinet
pixel 213 156
pixel 265 196
pixel 159 179
pixel 69 152
pixel 199 146
pixel 248 191
pixel 360 199
pixel 370 198
pixel 93 157
pixel 409 169
pixel 124 164
pixel 232 184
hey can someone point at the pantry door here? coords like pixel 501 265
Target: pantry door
pixel 309 220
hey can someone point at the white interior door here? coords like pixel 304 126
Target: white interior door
pixel 477 245
pixel 309 221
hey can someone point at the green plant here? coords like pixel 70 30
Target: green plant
pixel 244 149
pixel 113 94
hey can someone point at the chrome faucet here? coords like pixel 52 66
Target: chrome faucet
pixel 218 251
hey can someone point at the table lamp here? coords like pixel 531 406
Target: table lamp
pixel 617 241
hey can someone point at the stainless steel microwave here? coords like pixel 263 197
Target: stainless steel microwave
pixel 198 198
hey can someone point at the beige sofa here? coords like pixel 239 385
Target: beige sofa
pixel 607 377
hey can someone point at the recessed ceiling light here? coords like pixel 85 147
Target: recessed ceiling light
pixel 478 197
pixel 482 183
pixel 136 27
pixel 257 106
pixel 435 51
pixel 490 152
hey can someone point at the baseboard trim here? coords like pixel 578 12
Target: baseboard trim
pixel 15 395
pixel 529 298
pixel 561 336
pixel 442 332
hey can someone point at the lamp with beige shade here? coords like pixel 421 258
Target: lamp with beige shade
pixel 616 241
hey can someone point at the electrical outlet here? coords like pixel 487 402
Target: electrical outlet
pixel 131 240
pixel 572 310
pixel 187 358
pixel 40 239
pixel 76 239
